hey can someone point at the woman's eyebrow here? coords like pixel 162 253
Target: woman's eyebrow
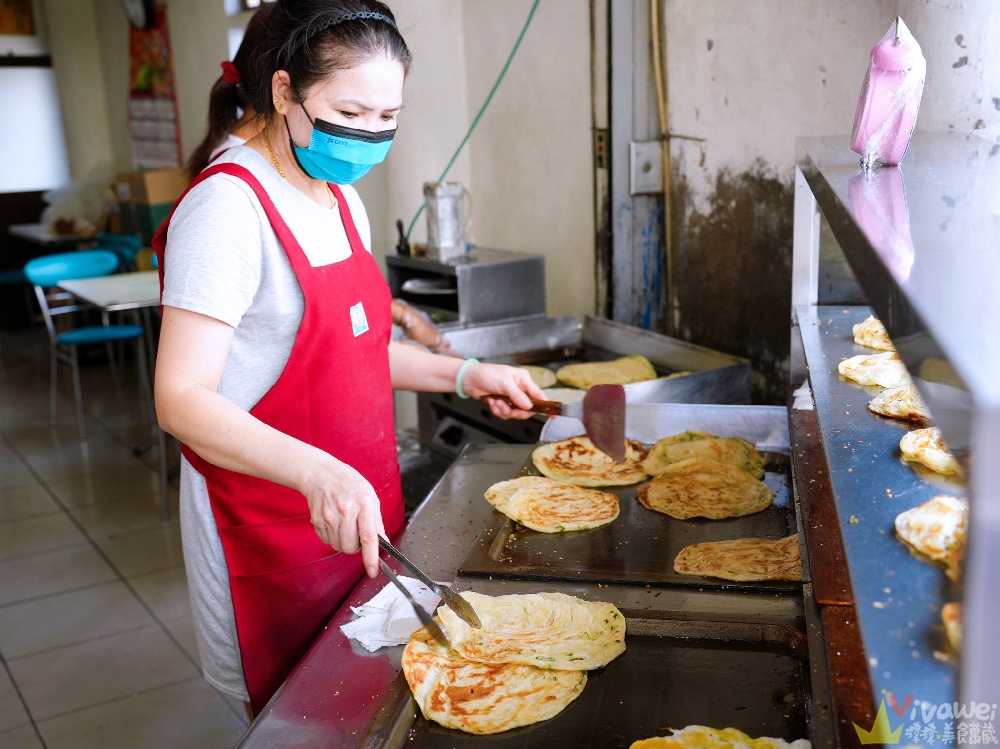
pixel 364 107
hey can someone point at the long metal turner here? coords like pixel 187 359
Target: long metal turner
pixel 462 608
pixel 602 413
pixel 425 618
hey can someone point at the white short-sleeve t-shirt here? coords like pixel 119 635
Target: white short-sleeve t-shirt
pixel 224 260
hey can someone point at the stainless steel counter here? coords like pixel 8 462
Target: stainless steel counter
pixel 923 240
pixel 336 692
pixel 898 597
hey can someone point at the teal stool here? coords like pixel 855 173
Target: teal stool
pixel 47 272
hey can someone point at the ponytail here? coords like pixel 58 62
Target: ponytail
pixel 227 101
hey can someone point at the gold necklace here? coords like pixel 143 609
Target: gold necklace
pixel 267 142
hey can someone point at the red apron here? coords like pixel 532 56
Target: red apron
pixel 335 393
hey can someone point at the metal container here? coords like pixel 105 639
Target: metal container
pixel 708 376
pixel 481 286
pixel 674 673
pixel 449 213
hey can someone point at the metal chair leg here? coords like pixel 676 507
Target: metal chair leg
pixel 78 392
pixel 53 383
pixel 114 374
pixel 161 440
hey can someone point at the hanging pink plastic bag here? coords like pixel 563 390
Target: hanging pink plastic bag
pixel 890 98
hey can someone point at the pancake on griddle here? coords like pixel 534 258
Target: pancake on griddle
pixel 937 530
pixel 743 560
pixel 622 371
pixel 549 506
pixel 886 370
pixel 703 488
pixel 543 376
pixel 872 333
pixel 903 403
pixel 564 395
pixel 547 630
pixel 927 447
pixel 702 737
pixel 704 446
pixel 483 698
pixel 577 461
pixel 951 617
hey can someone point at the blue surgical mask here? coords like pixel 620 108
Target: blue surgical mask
pixel 341 155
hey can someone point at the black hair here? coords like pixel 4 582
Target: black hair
pixel 228 101
pixel 310 39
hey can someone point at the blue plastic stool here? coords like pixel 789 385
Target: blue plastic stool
pixel 46 272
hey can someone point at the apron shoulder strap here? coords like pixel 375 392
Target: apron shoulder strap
pixel 285 235
pixel 353 238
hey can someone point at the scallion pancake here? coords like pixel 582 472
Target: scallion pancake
pixel 543 376
pixel 483 698
pixel 702 737
pixel 622 371
pixel 577 461
pixel 547 630
pixel 703 446
pixel 743 560
pixel 703 488
pixel 551 506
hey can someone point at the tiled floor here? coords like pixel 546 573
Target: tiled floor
pixel 96 640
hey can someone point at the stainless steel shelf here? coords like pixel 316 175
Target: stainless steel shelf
pixel 923 240
pixel 898 597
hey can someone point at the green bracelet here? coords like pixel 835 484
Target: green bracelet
pixel 460 375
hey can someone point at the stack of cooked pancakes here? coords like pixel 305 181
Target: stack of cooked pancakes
pixel 927 447
pixel 743 560
pixel 703 488
pixel 704 446
pixel 622 371
pixel 886 370
pixel 577 461
pixel 527 663
pixel 872 333
pixel 549 506
pixel 702 737
pixel 937 529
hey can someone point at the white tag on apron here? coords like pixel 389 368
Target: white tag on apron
pixel 359 323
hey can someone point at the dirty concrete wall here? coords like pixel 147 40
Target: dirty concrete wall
pixel 750 78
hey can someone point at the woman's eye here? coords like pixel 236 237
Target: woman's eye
pixel 388 117
pixel 349 115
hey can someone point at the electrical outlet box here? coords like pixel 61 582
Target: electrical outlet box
pixel 645 167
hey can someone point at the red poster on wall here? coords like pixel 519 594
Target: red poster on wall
pixel 152 102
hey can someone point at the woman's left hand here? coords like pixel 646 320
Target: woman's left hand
pixel 481 380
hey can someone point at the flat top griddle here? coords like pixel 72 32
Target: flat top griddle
pixel 673 674
pixel 638 547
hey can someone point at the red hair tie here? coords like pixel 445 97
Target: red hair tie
pixel 229 73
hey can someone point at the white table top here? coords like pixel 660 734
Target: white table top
pixel 36 233
pixel 118 292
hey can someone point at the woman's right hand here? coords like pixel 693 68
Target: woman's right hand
pixel 344 510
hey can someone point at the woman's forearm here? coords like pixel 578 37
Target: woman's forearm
pixel 415 369
pixel 225 435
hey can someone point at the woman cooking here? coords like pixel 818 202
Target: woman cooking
pixel 275 368
pixel 232 121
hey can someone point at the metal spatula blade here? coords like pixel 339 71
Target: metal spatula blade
pixel 604 419
pixel 425 618
pixel 602 413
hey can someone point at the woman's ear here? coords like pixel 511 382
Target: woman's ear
pixel 281 91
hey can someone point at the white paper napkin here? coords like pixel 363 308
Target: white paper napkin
pixel 388 618
pixel 802 399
